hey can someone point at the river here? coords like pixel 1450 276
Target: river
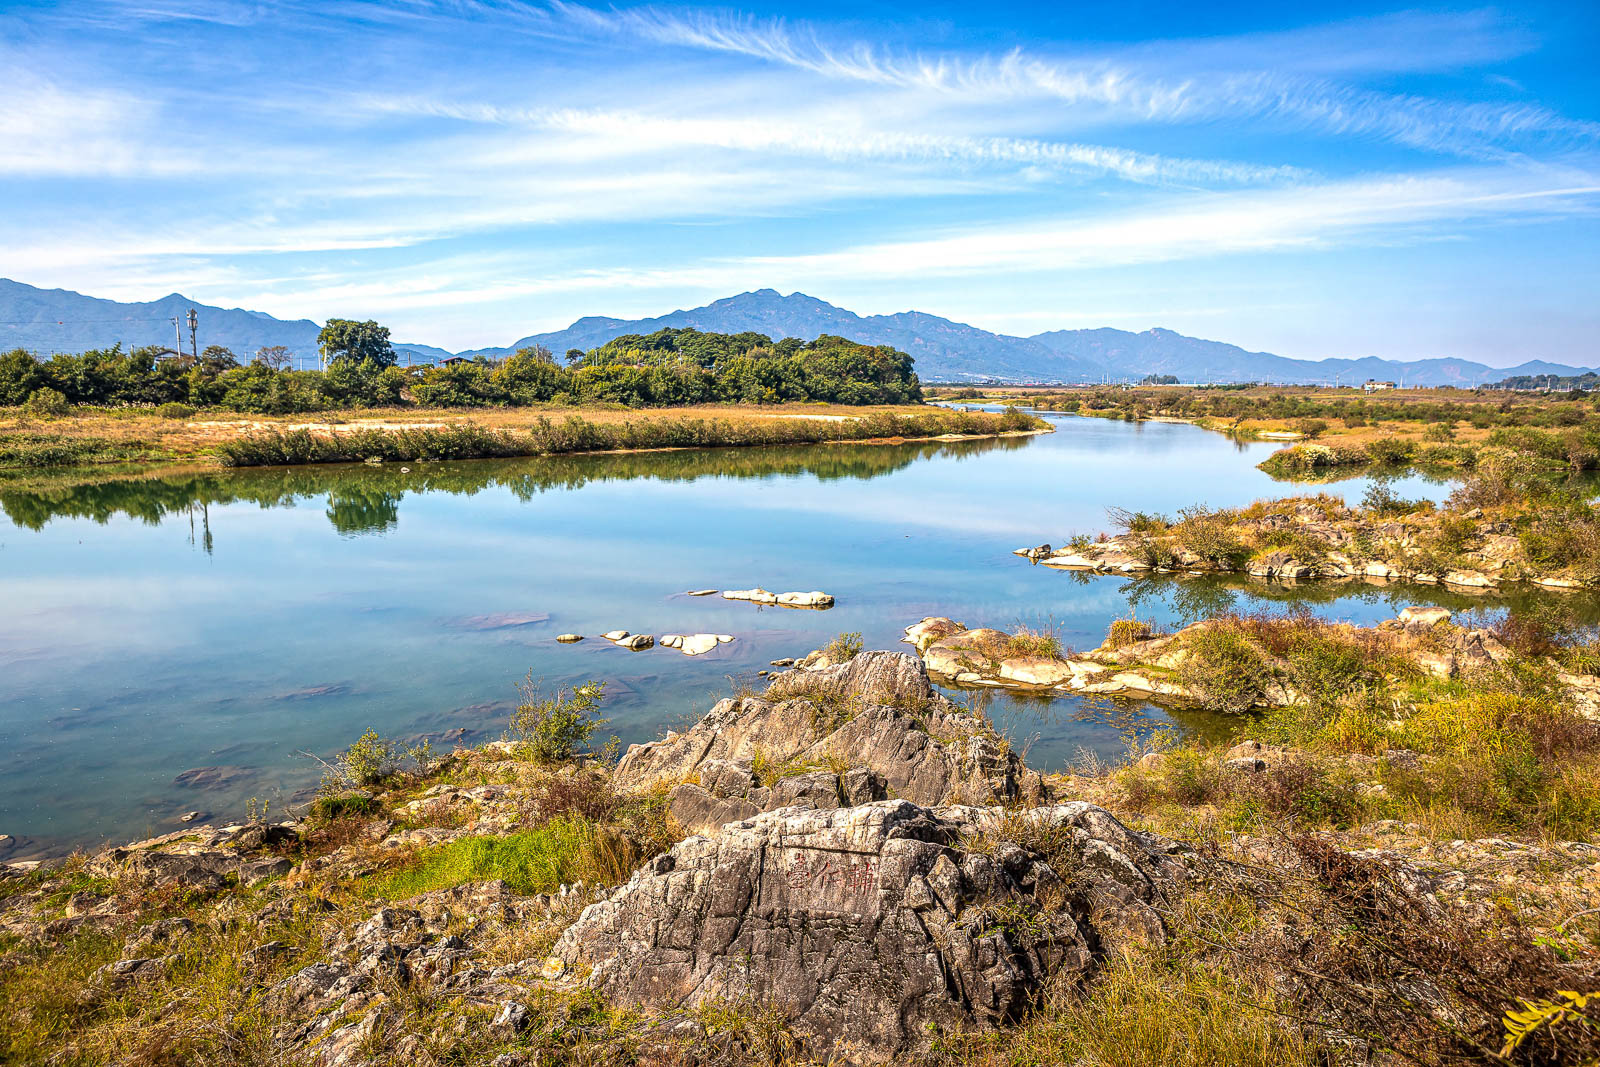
pixel 178 642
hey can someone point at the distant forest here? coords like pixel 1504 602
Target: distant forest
pixel 666 368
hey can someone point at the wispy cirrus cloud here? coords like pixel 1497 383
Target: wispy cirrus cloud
pixel 832 137
pixel 1279 77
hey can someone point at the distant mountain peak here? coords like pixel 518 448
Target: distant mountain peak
pixel 58 320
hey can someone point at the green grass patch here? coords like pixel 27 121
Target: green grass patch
pixel 532 861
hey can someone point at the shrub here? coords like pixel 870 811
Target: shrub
pixel 175 410
pixel 845 647
pixel 1125 632
pixel 371 760
pixel 1030 642
pixel 1209 535
pixel 46 401
pixel 587 795
pixel 1137 522
pixel 1300 788
pixel 1381 499
pixel 1389 451
pixel 1225 670
pixel 343 806
pixel 553 728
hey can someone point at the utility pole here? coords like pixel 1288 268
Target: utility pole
pixel 194 346
pixel 177 336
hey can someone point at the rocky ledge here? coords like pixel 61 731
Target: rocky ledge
pixel 864 730
pixel 1321 538
pixel 877 926
pixel 1135 661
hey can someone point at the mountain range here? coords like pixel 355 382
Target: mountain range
pixel 47 321
pixel 56 320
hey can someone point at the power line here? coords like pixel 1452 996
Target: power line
pixel 76 322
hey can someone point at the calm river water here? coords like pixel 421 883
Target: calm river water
pixel 174 643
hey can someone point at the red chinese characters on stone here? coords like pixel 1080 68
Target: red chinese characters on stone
pixel 833 872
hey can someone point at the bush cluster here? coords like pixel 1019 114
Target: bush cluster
pixel 669 367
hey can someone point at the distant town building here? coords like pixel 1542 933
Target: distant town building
pixel 1375 386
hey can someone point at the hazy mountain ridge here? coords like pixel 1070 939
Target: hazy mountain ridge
pixel 47 321
pixel 942 348
pixel 56 320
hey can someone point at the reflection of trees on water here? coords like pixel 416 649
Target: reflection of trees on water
pixel 1191 598
pixel 366 499
pixel 360 510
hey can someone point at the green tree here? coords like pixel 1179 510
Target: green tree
pixel 20 375
pixel 357 342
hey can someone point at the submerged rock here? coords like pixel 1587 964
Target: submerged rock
pixel 877 926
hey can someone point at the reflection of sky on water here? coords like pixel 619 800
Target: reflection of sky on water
pixel 234 619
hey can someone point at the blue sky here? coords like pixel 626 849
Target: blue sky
pixel 1311 180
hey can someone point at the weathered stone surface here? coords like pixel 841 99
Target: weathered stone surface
pixel 200 858
pixel 1034 671
pixel 872 926
pixel 700 812
pixel 568 639
pixel 968 650
pixel 879 712
pixel 924 633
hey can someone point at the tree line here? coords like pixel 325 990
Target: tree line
pixel 669 367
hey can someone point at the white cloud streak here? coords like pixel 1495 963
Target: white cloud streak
pixel 1146 86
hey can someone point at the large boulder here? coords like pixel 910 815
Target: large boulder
pixel 875 926
pixel 877 712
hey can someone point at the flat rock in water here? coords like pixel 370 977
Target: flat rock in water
pixel 702 592
pixel 568 639
pixel 636 642
pixel 755 596
pixel 614 635
pixel 814 599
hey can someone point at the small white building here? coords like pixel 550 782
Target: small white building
pixel 1375 386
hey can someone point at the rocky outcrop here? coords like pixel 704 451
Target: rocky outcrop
pixel 874 927
pixel 1151 667
pixel 1318 538
pixel 877 713
pixel 202 858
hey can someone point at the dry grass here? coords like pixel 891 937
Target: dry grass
pixel 144 434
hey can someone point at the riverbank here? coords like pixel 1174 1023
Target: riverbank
pixel 1340 432
pixel 1490 534
pixel 525 902
pixel 109 437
